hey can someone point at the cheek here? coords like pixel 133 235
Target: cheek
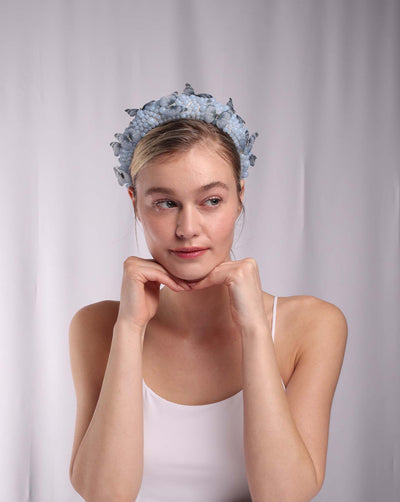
pixel 223 227
pixel 155 229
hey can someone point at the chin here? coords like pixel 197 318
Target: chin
pixel 189 275
pixel 188 272
pixel 194 271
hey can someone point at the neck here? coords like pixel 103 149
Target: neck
pixel 197 315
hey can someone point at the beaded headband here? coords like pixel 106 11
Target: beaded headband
pixel 176 106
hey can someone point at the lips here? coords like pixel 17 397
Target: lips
pixel 188 250
pixel 193 252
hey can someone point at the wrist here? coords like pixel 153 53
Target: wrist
pixel 255 329
pixel 123 327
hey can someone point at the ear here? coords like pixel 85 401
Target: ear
pixel 132 196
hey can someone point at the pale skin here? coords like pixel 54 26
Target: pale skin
pixel 207 333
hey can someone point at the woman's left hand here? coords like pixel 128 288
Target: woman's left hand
pixel 246 296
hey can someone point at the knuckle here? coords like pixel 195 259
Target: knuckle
pixel 130 260
pixel 250 264
pixel 130 264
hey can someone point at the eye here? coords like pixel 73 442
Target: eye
pixel 214 201
pixel 169 204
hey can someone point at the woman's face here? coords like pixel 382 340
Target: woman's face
pixel 188 200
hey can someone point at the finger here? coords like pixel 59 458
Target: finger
pixel 173 283
pixel 201 284
pixel 162 277
pixel 184 284
pixel 172 279
pixel 148 270
pixel 180 282
pixel 179 285
pixel 158 266
pixel 213 278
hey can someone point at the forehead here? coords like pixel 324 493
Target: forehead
pixel 196 167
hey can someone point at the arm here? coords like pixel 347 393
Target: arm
pixel 286 433
pixel 107 460
pixel 108 464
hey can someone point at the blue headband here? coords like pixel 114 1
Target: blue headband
pixel 187 105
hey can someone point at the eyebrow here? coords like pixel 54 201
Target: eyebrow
pixel 169 191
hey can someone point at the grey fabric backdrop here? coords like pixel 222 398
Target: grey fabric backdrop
pixel 319 80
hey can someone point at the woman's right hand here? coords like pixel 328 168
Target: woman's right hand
pixel 140 290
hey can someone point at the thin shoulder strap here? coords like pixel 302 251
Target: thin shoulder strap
pixel 274 318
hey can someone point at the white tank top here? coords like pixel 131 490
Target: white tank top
pixel 194 453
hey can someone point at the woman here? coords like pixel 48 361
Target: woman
pixel 198 390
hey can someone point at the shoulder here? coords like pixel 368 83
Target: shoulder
pixel 304 310
pixel 317 313
pixel 305 321
pixel 321 326
pixel 94 321
pixel 308 310
pixel 310 307
pixel 105 311
pixel 90 337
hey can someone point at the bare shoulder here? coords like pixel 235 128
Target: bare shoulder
pixel 320 326
pixel 90 336
pixel 96 318
pixel 103 311
pixel 321 318
pixel 306 312
pixel 309 308
pixel 304 322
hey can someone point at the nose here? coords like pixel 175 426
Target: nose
pixel 188 223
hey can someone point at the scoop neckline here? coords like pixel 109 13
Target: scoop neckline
pixel 190 405
pixel 223 400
